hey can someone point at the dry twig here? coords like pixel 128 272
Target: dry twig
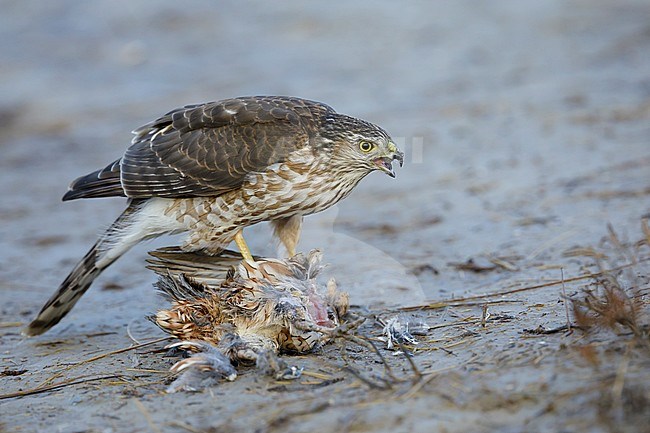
pixel 63 384
pixel 466 300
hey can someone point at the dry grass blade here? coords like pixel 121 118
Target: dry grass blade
pixel 58 385
pixel 623 251
pixel 484 315
pixel 584 252
pixel 619 381
pixel 608 307
pixel 147 415
pixel 10 324
pixel 389 370
pixel 283 416
pixel 124 349
pixel 409 358
pixel 566 305
pixel 468 300
pixel 186 427
pixel 645 228
pixel 382 383
pixel 503 264
pixel 428 376
pixel 612 303
pixel 554 241
pixel 100 356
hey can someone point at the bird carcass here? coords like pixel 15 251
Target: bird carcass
pixel 230 311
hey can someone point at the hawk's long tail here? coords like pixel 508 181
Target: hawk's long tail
pixel 117 239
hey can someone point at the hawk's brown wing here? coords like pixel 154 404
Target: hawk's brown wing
pixel 207 149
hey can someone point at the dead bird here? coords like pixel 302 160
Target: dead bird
pixel 248 311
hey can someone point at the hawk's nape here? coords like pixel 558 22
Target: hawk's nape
pixel 212 169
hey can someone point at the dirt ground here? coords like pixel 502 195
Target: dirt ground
pixel 526 126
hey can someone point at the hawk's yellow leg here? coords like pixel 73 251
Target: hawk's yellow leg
pixel 243 248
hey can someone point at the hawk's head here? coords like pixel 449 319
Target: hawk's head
pixel 360 146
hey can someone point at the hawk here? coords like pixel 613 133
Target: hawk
pixel 212 169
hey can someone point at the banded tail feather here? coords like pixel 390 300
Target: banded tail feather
pixel 72 288
pixel 117 240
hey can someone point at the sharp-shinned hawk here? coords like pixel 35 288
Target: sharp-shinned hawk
pixel 211 169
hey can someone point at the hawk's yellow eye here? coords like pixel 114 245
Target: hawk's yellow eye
pixel 366 146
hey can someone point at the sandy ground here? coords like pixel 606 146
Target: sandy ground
pixel 527 131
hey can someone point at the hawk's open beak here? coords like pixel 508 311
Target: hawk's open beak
pixel 385 164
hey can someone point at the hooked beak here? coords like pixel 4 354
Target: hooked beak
pixel 385 163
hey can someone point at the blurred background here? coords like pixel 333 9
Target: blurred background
pixel 526 126
pixel 499 105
